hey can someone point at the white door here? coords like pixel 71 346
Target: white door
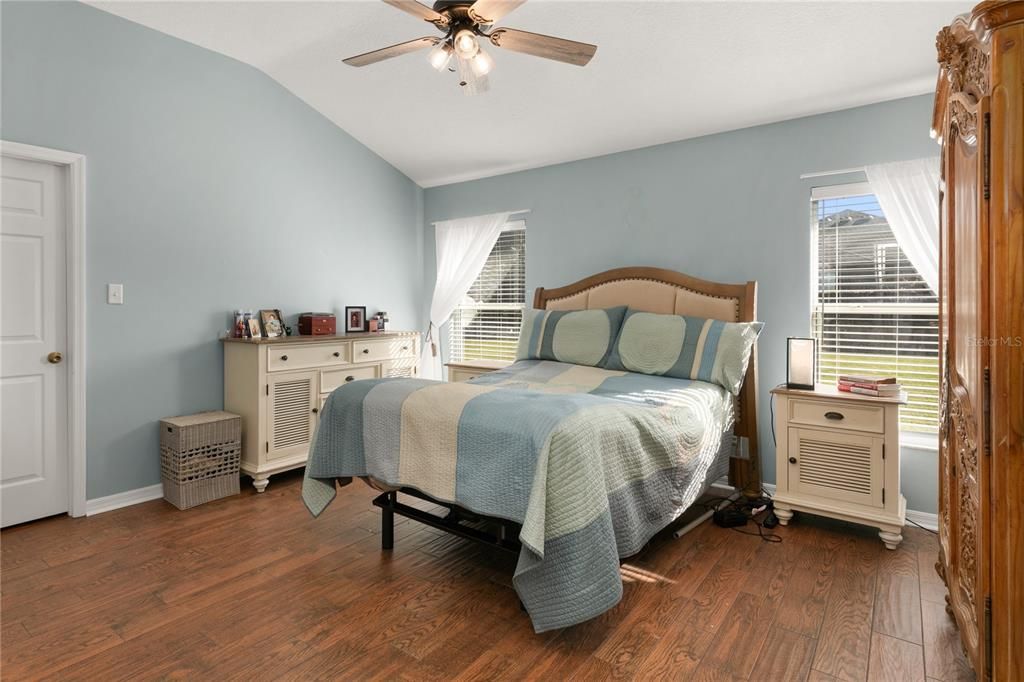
pixel 33 336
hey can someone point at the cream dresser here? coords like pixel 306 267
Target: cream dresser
pixel 278 386
pixel 838 455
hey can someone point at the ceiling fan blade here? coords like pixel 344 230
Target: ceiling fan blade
pixel 420 11
pixel 548 47
pixel 490 11
pixel 392 51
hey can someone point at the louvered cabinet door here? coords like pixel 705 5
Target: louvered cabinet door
pixel 292 404
pixel 837 466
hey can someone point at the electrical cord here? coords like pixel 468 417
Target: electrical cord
pixel 747 507
pixel 933 532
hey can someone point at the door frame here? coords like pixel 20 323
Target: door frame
pixel 74 173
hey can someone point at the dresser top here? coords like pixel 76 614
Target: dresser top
pixel 827 391
pixel 323 338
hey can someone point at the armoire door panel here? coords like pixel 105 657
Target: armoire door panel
pixel 1006 358
pixel 968 331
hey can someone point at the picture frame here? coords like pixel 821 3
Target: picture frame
pixel 273 323
pixel 254 328
pixel 355 318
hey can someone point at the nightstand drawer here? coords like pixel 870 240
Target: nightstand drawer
pixel 837 415
pixel 463 374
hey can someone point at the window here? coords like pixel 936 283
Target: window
pixel 872 313
pixel 485 326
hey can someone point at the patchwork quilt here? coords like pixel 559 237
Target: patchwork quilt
pixel 591 462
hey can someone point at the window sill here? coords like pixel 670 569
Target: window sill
pixel 919 441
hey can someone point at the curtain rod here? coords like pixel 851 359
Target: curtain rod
pixel 841 171
pixel 510 214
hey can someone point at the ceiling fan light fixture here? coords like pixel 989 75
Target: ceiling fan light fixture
pixel 441 55
pixel 470 82
pixel 465 43
pixel 464 23
pixel 481 63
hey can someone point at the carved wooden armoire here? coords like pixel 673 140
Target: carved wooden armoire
pixel 979 120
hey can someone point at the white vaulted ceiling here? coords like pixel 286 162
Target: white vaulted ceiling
pixel 663 71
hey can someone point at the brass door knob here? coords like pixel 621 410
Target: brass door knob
pixel 54 358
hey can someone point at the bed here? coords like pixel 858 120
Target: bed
pixel 575 466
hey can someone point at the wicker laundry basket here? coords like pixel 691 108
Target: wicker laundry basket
pixel 199 457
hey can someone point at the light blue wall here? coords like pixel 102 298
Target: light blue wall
pixel 209 187
pixel 727 207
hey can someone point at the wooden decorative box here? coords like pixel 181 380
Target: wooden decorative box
pixel 317 324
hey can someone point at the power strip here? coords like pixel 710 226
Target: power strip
pixel 730 517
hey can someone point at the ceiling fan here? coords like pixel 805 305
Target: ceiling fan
pixel 463 23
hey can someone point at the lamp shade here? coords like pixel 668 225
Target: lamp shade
pixel 800 362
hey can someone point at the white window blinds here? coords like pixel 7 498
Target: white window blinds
pixel 485 325
pixel 872 312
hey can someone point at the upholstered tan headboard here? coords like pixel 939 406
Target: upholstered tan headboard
pixel 657 290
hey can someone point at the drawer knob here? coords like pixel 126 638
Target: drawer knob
pixel 337 354
pixel 792 460
pixel 284 358
pixel 405 347
pixel 366 351
pixel 350 378
pixel 834 416
pixel 315 410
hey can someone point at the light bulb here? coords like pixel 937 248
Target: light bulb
pixel 481 63
pixel 440 56
pixel 465 44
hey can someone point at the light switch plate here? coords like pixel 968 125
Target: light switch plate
pixel 115 294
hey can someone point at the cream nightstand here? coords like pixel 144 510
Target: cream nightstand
pixel 471 369
pixel 838 455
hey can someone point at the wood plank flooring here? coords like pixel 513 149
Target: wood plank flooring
pixel 253 588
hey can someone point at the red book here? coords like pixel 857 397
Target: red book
pixel 868 391
pixel 866 379
pixel 890 388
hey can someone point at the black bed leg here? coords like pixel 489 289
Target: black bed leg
pixel 387 524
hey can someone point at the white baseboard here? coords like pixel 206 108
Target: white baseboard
pixel 126 499
pixel 155 492
pixel 926 519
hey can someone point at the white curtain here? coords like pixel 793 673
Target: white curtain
pixel 908 193
pixel 463 246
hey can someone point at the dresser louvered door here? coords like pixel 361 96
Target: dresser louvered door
pixel 292 405
pixel 837 465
